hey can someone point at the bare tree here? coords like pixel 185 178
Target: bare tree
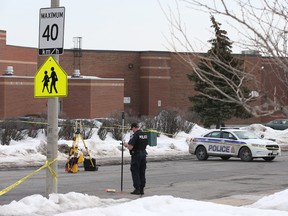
pixel 262 27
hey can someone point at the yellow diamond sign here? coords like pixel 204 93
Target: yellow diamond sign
pixel 50 80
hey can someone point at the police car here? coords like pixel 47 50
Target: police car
pixel 226 143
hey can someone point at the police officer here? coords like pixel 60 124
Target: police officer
pixel 137 146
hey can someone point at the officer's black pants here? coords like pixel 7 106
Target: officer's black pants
pixel 138 168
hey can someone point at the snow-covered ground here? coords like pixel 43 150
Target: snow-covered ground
pixel 30 151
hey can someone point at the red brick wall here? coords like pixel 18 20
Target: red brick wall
pixel 2 98
pixel 93 98
pixel 132 85
pixel 2 51
pixel 155 76
pixel 26 62
pixel 105 64
pixel 87 98
pixel 2 44
pixel 18 99
pixel 77 103
pixel 23 59
pixel 107 97
pixel 154 82
pixel 181 86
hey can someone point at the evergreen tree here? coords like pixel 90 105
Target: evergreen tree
pixel 212 110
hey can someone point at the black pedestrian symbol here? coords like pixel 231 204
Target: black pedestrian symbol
pixel 54 79
pixel 45 82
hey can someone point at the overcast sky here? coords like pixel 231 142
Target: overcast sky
pixel 137 25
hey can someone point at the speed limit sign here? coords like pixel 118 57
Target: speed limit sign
pixel 51 30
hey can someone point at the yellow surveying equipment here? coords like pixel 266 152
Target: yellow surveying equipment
pixel 76 156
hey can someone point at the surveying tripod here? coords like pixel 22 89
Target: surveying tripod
pixel 74 152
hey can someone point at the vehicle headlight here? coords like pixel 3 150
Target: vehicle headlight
pixel 257 145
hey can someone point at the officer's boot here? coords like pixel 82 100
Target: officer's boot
pixel 142 190
pixel 136 192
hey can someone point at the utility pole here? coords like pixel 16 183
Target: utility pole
pixel 52 135
pixel 122 150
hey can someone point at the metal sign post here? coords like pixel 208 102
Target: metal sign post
pixel 122 162
pixel 52 146
pixel 52 136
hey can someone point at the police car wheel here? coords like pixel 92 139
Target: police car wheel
pixel 268 158
pixel 245 154
pixel 201 153
pixel 225 157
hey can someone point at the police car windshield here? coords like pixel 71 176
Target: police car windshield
pixel 246 135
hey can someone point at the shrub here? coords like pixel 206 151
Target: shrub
pixel 113 124
pixel 169 121
pixel 87 129
pixel 69 127
pixel 104 129
pixel 9 131
pixel 67 130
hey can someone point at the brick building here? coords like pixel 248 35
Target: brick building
pixel 140 83
pixel 88 96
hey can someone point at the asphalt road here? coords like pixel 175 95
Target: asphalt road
pixel 232 182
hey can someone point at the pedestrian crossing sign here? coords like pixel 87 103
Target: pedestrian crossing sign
pixel 50 80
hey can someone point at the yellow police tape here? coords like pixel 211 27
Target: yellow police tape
pixel 114 126
pixel 159 132
pixel 47 164
pixel 21 121
pixel 146 130
pixel 107 127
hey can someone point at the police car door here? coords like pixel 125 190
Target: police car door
pixel 213 143
pixel 221 145
pixel 228 141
